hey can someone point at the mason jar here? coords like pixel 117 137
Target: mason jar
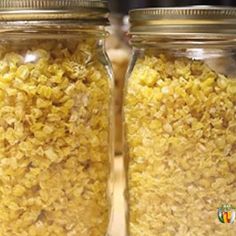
pixel 55 118
pixel 180 121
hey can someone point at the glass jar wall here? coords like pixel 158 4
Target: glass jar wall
pixel 179 120
pixel 55 121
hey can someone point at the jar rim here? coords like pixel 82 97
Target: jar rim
pixel 181 20
pixel 95 11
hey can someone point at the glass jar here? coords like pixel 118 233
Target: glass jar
pixel 180 121
pixel 55 118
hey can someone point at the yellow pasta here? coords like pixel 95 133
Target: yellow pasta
pixel 54 139
pixel 180 120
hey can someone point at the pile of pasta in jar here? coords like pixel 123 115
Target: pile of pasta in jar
pixel 55 118
pixel 180 130
pixel 54 146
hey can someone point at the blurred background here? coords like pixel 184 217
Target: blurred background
pixel 122 6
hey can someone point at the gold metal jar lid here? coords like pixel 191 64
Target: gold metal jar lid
pixel 46 10
pixel 183 20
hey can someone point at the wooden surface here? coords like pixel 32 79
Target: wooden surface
pixel 118 218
